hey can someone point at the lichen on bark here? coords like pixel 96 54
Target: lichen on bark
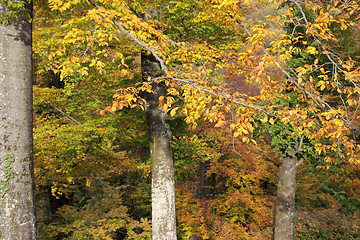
pixel 8 173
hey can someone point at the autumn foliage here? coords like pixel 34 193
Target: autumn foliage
pixel 243 91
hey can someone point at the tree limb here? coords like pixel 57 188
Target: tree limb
pixel 136 40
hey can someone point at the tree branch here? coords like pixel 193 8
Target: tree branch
pixel 63 113
pixel 136 40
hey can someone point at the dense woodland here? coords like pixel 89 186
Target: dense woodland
pixel 157 119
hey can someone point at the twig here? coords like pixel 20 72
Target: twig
pixel 63 113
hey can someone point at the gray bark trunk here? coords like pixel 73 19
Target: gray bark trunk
pixel 162 166
pixel 285 201
pixel 17 204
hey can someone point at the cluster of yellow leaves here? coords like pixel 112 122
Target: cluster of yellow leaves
pixel 316 85
pixel 201 68
pixel 87 39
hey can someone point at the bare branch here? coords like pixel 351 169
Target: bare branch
pixel 67 116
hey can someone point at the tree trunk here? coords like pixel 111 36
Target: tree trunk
pixel 17 201
pixel 285 201
pixel 162 166
pixel 202 179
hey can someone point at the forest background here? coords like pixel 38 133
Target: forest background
pixel 251 86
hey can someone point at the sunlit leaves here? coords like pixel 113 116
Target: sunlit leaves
pixel 311 50
pixel 12 10
pixel 223 71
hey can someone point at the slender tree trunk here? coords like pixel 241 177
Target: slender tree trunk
pixel 285 201
pixel 162 166
pixel 17 204
pixel 202 179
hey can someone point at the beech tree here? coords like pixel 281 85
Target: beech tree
pixel 163 193
pixel 324 92
pixel 17 202
pixel 199 71
pixel 162 165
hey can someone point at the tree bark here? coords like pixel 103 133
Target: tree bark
pixel 285 201
pixel 17 201
pixel 162 166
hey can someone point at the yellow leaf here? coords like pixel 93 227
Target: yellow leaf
pixel 173 111
pixel 124 72
pixel 224 3
pixel 165 107
pixel 265 119
pixel 311 50
pixel 338 122
pixel 271 121
pixel 220 123
pixel 88 182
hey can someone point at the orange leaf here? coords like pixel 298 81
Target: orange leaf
pixel 220 123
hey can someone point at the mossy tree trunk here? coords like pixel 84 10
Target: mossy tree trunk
pixel 17 204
